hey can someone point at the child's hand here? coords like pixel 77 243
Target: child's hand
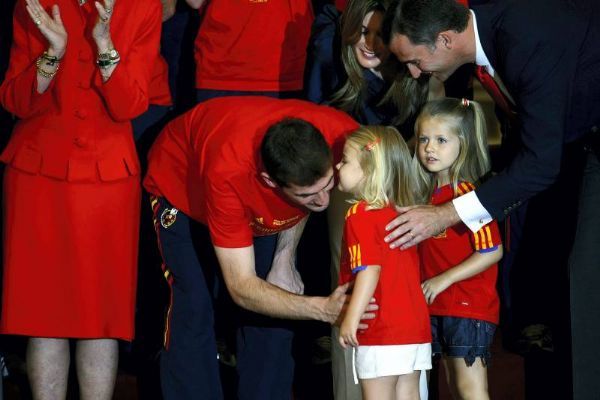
pixel 348 334
pixel 434 286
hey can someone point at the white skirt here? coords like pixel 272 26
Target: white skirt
pixel 376 361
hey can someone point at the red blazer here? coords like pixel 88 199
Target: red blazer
pixel 159 91
pixel 79 130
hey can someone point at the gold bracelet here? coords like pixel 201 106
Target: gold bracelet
pixel 43 72
pixel 51 60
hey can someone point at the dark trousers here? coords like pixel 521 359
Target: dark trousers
pixel 265 364
pixel 189 366
pixel 584 274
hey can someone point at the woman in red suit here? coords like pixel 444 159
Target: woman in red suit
pixel 78 74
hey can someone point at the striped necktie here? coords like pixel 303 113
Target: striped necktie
pixel 491 86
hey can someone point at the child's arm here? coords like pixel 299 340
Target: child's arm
pixel 478 262
pixel 364 287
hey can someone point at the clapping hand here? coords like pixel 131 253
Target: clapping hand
pixel 51 28
pixel 101 31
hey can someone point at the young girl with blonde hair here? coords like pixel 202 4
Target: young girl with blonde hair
pixel 459 268
pixel 392 352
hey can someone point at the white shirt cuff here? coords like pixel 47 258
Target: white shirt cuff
pixel 471 212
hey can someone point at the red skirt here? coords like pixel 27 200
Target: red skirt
pixel 70 257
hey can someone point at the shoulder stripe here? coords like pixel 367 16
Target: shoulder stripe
pixel 488 234
pixel 355 257
pixel 476 237
pixel 352 210
pixel 465 187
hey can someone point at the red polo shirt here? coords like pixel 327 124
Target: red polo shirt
pixel 402 317
pixel 475 297
pixel 206 163
pixel 253 45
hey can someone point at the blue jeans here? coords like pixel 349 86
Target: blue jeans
pixel 462 338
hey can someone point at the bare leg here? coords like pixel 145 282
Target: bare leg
pixel 48 368
pixel 407 387
pixel 466 382
pixel 382 388
pixel 97 361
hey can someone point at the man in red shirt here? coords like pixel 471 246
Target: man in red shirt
pixel 250 169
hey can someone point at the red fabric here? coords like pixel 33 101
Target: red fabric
pixel 475 297
pixel 341 4
pixel 79 129
pixel 253 45
pixel 402 317
pixel 490 85
pixel 206 164
pixel 159 91
pixel 72 190
pixel 70 262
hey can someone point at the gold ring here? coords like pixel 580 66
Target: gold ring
pixel 38 22
pixel 108 10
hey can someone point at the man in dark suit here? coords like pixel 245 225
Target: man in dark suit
pixel 544 56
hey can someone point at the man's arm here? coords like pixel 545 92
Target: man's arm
pixel 252 293
pixel 283 271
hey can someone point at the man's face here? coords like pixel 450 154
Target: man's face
pixel 439 62
pixel 314 197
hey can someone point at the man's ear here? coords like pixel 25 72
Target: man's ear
pixel 268 180
pixel 446 39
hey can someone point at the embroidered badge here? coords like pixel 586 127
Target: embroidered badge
pixel 168 217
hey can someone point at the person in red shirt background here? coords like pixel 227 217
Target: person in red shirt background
pixel 219 171
pixel 78 74
pixel 252 47
pixel 459 267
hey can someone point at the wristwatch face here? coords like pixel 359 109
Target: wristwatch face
pixel 110 55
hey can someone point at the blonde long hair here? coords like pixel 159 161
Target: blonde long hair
pixel 405 93
pixel 465 118
pixel 386 163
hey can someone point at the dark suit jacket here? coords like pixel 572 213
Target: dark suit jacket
pixel 547 54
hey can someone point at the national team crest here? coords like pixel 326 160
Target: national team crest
pixel 168 217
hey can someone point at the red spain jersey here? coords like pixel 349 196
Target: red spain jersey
pixel 206 163
pixel 475 297
pixel 253 45
pixel 402 317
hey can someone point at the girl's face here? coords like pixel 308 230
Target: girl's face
pixel 438 147
pixel 370 50
pixel 351 174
